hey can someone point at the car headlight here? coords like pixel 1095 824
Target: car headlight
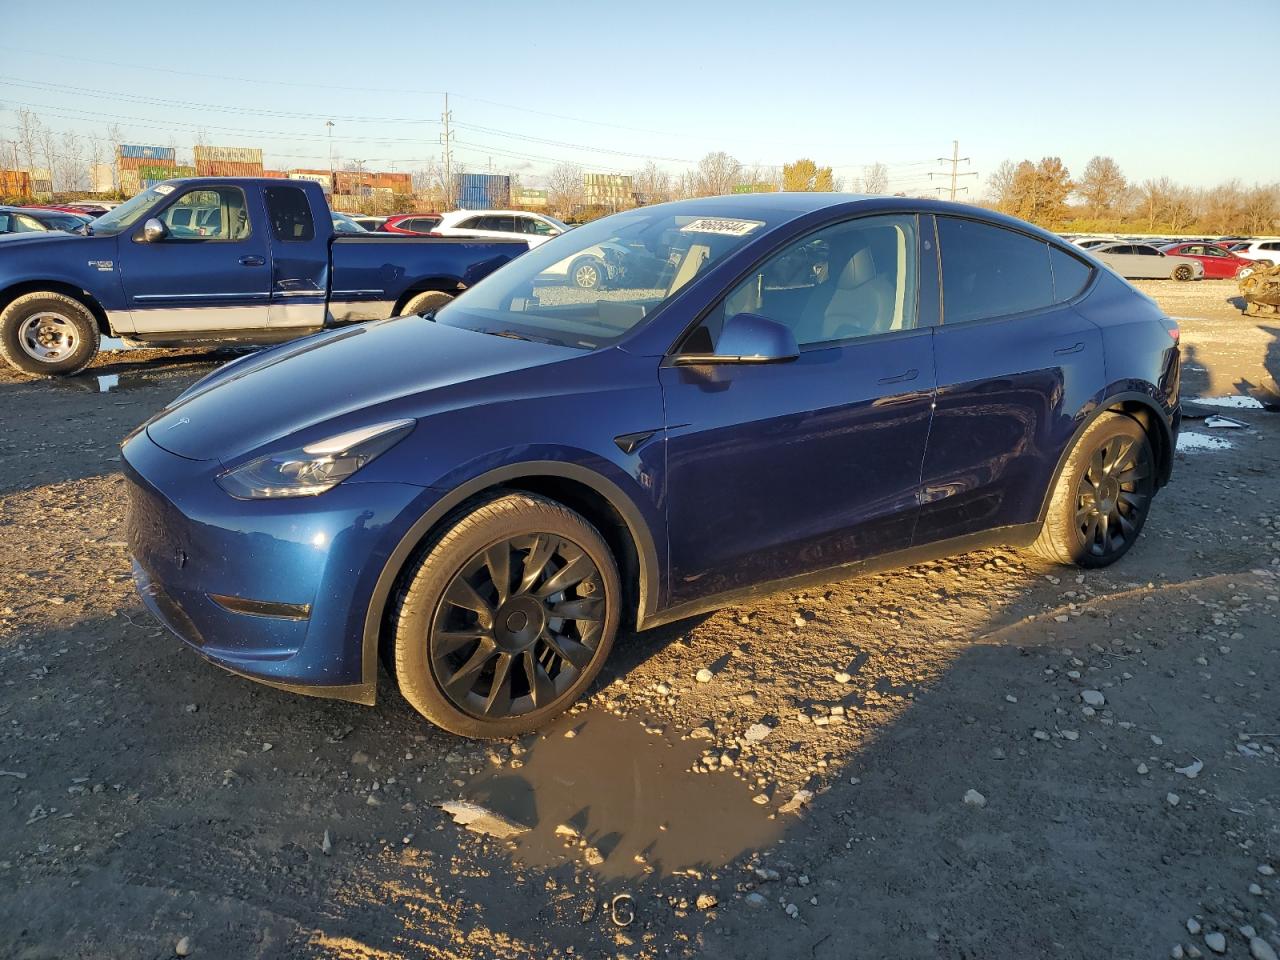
pixel 315 468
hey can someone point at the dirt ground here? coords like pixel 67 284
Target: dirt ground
pixel 986 757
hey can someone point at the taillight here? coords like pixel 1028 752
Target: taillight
pixel 432 233
pixel 1171 328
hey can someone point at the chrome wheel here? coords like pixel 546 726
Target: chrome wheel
pixel 587 276
pixel 517 625
pixel 48 337
pixel 1113 495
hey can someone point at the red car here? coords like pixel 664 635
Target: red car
pixel 415 224
pixel 1219 262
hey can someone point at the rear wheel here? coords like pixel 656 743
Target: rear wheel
pixel 1102 497
pixel 425 303
pixel 507 619
pixel 1183 272
pixel 587 273
pixel 48 334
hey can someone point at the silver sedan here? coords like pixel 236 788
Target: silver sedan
pixel 1142 261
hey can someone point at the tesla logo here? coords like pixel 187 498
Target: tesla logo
pixel 179 422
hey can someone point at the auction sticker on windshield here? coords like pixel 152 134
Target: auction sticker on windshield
pixel 725 228
pixel 163 189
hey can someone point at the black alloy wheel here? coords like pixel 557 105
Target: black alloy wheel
pixel 1112 496
pixel 517 625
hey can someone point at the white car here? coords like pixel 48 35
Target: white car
pixel 537 228
pixel 1088 243
pixel 1262 251
pixel 1143 261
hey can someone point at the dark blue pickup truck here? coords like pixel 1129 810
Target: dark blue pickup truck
pixel 217 260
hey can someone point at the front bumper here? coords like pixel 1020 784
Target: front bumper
pixel 317 559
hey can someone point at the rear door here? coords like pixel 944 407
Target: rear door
pixel 299 259
pixel 781 469
pixel 211 273
pixel 1016 363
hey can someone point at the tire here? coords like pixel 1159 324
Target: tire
pixel 586 273
pixel 1112 466
pixel 48 334
pixel 1183 272
pixel 481 664
pixel 1246 272
pixel 424 302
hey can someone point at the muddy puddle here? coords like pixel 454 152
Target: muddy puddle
pixel 627 795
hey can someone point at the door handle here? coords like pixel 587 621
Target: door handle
pixel 251 260
pixel 1063 351
pixel 903 377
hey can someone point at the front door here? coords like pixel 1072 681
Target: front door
pixel 782 469
pixel 1015 364
pixel 211 273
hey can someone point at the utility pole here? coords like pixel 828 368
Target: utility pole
pixel 446 139
pixel 329 124
pixel 955 160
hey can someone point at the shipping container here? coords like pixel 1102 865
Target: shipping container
pixel 15 183
pixel 102 178
pixel 251 155
pixel 227 168
pixel 137 163
pixel 165 172
pixel 481 191
pixel 130 183
pixel 325 181
pixel 135 152
pixel 275 174
pixel 529 198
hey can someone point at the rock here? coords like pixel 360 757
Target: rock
pixel 1193 926
pixel 801 798
pixel 1216 942
pixel 662 689
pixel 706 901
pixel 1259 949
pixel 479 820
pixel 359 758
pixel 1010 698
pixel 760 798
pixel 843 677
pixel 1176 953
pixel 704 675
pixel 767 874
pixel 326 845
pixel 1041 735
pixel 1143 769
pixel 183 947
pixel 1093 698
pixel 1266 870
pixel 192 707
pixel 266 747
pixel 593 856
pixel 1255 889
pixel 565 830
pixel 974 799
pixel 1070 735
pixel 793 911
pixel 757 732
pixel 1172 799
pixel 1191 770
pixel 755 900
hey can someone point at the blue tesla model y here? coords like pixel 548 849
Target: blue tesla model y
pixel 752 391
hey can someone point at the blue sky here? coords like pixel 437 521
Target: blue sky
pixel 612 85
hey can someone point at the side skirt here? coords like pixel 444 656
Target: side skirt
pixel 1020 535
pixel 200 337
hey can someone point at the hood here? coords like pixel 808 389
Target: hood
pixel 9 241
pixel 265 397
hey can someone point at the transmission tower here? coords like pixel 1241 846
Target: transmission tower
pixel 955 160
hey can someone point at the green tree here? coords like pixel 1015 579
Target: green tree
pixel 1039 191
pixel 806 176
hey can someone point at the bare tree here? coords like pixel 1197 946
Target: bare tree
pixel 652 184
pixel 875 178
pixel 717 173
pixel 1102 186
pixel 1000 186
pixel 28 136
pixel 565 188
pixel 1260 207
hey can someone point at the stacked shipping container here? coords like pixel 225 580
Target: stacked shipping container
pixel 481 191
pixel 228 161
pixel 15 183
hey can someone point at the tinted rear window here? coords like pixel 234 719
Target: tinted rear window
pixel 988 271
pixel 1069 274
pixel 290 214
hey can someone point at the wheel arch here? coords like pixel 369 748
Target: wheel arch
pixel 602 502
pixel 1137 406
pixel 450 285
pixel 13 292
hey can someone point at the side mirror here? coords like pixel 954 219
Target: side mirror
pixel 154 230
pixel 748 338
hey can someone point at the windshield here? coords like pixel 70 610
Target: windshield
pixel 120 218
pixel 344 224
pixel 592 285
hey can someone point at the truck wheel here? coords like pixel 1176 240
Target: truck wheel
pixel 425 303
pixel 1182 272
pixel 48 334
pixel 506 620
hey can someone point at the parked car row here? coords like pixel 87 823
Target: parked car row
pixel 536 228
pixel 1158 257
pixel 39 220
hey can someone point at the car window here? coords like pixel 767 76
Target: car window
pixel 1270 246
pixel 1069 274
pixel 1148 251
pixel 1213 252
pixel 215 213
pixel 988 271
pixel 290 214
pixel 504 224
pixel 25 224
pixel 472 223
pixel 537 227
pixel 1194 250
pixel 854 279
pixel 4 222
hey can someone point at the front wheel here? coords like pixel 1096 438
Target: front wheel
pixel 1183 272
pixel 587 274
pixel 1102 496
pixel 507 619
pixel 48 334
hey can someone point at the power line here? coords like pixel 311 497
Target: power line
pixel 955 160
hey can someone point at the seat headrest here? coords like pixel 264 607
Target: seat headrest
pixel 860 268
